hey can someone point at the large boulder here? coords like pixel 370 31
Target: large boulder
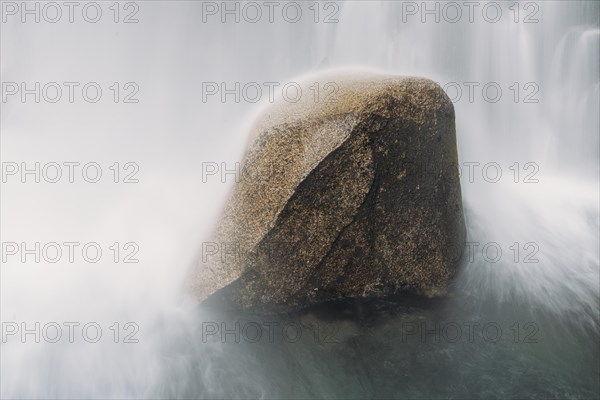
pixel 348 195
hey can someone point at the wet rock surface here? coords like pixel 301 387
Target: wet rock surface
pixel 354 196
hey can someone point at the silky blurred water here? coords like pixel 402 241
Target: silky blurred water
pixel 528 322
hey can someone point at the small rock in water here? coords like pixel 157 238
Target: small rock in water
pixel 346 196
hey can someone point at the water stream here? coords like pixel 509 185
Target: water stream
pixel 521 319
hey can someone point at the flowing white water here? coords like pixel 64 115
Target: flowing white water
pixel 171 131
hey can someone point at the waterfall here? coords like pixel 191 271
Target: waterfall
pixel 524 77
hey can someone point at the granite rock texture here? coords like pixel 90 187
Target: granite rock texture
pixel 351 194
